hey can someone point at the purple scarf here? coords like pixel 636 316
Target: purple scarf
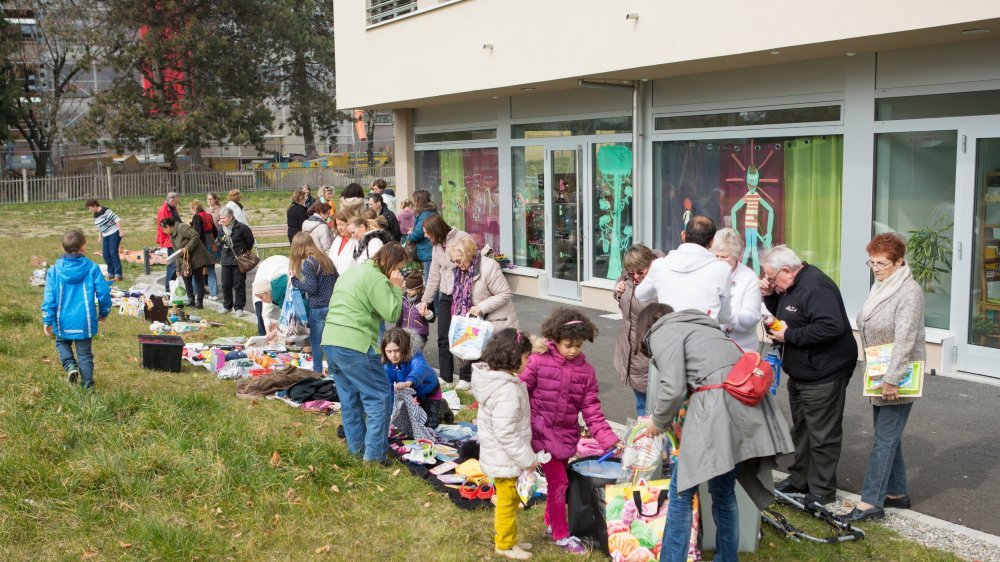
pixel 461 296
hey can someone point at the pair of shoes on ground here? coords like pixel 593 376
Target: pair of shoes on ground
pixel 902 502
pixel 786 487
pixel 572 545
pixel 873 513
pixel 520 551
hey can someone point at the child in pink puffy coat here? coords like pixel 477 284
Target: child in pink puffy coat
pixel 561 385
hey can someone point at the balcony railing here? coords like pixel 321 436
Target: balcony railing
pixel 384 10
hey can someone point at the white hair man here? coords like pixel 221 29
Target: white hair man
pixel 819 356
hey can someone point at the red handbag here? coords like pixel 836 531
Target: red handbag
pixel 748 381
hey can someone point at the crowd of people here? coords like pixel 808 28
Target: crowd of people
pixel 374 281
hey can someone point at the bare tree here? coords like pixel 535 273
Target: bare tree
pixel 44 65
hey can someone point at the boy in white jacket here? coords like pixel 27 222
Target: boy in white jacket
pixel 690 277
pixel 504 423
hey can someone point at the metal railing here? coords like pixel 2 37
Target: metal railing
pixel 113 186
pixel 384 10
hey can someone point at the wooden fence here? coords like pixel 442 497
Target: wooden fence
pixel 113 186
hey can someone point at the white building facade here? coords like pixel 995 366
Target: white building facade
pixel 561 132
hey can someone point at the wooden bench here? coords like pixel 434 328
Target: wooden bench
pixel 270 231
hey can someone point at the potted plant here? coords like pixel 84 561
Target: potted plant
pixel 929 250
pixel 982 327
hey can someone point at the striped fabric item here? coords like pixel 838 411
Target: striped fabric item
pixel 106 221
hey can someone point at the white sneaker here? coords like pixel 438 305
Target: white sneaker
pixel 213 298
pixel 514 553
pixel 463 385
pixel 238 313
pixel 225 311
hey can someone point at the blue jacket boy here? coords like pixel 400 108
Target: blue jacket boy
pixel 71 287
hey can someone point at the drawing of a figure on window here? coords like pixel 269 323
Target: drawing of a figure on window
pixel 751 202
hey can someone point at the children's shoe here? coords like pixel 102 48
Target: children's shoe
pixel 72 374
pixel 571 545
pixel 514 553
pixel 525 546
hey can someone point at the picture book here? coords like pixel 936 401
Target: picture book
pixel 877 359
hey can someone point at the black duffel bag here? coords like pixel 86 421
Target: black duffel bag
pixel 586 502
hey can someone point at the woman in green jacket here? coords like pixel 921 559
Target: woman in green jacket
pixel 183 237
pixel 365 295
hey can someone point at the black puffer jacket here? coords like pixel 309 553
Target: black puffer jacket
pixel 819 342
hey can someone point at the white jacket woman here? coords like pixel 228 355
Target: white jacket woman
pixel 503 421
pixel 745 301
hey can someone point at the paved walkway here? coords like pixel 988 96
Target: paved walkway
pixel 952 450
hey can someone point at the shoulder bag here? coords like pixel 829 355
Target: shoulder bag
pixel 748 381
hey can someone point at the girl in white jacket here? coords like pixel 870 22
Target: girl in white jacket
pixel 504 425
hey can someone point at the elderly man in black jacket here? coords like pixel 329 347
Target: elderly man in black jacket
pixel 819 356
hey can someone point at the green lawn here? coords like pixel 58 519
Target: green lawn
pixel 158 466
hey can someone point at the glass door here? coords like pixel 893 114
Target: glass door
pixel 982 333
pixel 564 232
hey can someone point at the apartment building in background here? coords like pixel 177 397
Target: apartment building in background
pixel 561 132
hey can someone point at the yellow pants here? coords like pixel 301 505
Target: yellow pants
pixel 505 514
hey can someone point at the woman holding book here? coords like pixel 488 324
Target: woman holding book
pixel 893 314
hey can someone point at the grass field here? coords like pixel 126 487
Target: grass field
pixel 158 466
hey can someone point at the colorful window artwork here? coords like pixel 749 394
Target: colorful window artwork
pixel 772 191
pixel 464 184
pixel 612 207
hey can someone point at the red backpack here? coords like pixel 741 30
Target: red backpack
pixel 748 381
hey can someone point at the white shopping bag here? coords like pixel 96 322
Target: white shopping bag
pixel 467 337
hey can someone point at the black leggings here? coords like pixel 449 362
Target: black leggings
pixel 445 361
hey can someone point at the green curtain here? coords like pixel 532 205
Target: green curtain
pixel 453 188
pixel 813 191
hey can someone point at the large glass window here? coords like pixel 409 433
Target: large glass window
pixel 463 183
pixel 772 191
pixel 957 104
pixel 600 126
pixel 612 165
pixel 528 163
pixel 915 196
pixel 984 323
pixel 816 114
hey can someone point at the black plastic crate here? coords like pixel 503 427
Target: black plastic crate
pixel 162 353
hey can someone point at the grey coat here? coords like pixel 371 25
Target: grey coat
pixel 899 320
pixel 688 350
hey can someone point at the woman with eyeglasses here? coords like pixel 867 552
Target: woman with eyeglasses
pixel 893 313
pixel 631 365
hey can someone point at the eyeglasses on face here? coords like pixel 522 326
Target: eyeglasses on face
pixel 880 265
pixel 772 279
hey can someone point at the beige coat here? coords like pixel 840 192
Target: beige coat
pixel 442 274
pixel 492 295
pixel 897 319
